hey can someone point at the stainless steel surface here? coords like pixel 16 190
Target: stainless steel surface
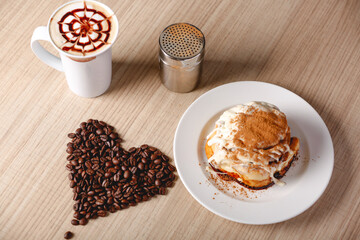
pixel 181 53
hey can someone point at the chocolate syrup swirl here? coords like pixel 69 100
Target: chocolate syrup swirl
pixel 85 30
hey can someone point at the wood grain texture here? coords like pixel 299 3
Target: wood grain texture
pixel 309 47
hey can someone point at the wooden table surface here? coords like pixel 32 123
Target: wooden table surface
pixel 309 47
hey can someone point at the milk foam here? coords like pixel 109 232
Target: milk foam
pixel 83 28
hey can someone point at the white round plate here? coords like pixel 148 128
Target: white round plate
pixel 305 181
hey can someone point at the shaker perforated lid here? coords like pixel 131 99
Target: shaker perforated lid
pixel 182 41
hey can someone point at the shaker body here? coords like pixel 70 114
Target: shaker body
pixel 181 79
pixel 180 57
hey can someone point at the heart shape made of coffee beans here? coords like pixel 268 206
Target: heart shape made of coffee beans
pixel 106 178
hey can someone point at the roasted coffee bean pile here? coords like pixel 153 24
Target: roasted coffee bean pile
pixel 105 177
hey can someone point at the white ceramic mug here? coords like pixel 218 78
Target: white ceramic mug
pixel 87 76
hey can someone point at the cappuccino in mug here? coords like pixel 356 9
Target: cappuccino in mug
pixel 83 32
pixel 83 28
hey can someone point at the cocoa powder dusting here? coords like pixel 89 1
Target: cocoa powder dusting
pixel 229 187
pixel 260 129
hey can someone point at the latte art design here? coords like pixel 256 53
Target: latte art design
pixel 85 30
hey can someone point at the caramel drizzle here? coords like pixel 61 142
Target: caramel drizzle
pixel 85 29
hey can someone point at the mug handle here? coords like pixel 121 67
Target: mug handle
pixel 41 33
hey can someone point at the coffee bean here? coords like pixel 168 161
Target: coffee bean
pixel 91 193
pixel 71 135
pixel 123 206
pixel 157 161
pixel 79 131
pixel 159 175
pixel 155 191
pixel 117 177
pixel 110 201
pixel 171 168
pixel 83 221
pixel 104 138
pixel 100 202
pixel 90 171
pixel 68 235
pixel 162 191
pixel 76 206
pixel 99 131
pixel 101 213
pixel 74 222
pixel 133 170
pixel 77 215
pixel 115 161
pixel 95 167
pixel 83 125
pixel 141 166
pixel 127 174
pixel 165 158
pixel 157 182
pixel 70 157
pixel 88 164
pixel 150 175
pixel 117 206
pixel 113 135
pixel 76 197
pixel 72 184
pixel 132 161
pixel 112 209
pixel 143 154
pixel 74 162
pixel 169 184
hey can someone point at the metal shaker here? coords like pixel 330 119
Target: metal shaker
pixel 181 53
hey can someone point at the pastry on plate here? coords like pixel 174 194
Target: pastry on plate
pixel 251 144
